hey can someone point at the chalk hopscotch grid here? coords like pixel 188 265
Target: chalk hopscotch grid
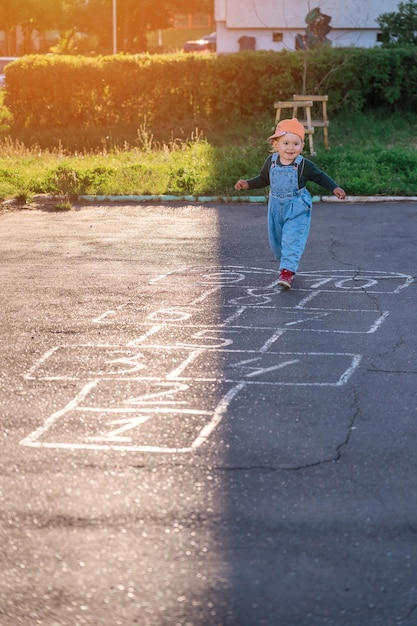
pixel 246 363
pixel 343 280
pixel 244 314
pixel 223 277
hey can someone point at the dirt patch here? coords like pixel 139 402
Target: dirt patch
pixel 39 203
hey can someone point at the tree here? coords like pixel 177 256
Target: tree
pixel 37 16
pixel 10 14
pixel 399 28
pixel 82 21
pixel 135 18
pixel 138 17
pixel 30 16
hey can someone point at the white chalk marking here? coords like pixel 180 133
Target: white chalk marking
pixel 39 362
pixel 309 318
pixel 126 424
pixel 258 371
pixel 235 316
pixel 407 283
pixel 178 371
pixel 166 315
pixel 343 280
pixel 207 334
pixel 152 331
pixel 157 410
pixel 153 281
pixel 367 283
pixel 101 319
pixel 350 275
pixel 307 299
pixel 258 299
pixel 113 440
pixel 320 283
pixel 132 363
pixel 378 323
pixel 219 412
pixel 223 276
pixel 155 397
pixel 274 337
pixel 106 447
pixel 206 295
pixel 350 370
pixel 58 414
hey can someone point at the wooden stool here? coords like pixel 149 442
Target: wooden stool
pixel 319 123
pixel 305 104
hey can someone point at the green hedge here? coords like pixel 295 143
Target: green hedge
pixel 59 91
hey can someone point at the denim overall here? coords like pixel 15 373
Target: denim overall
pixel 289 214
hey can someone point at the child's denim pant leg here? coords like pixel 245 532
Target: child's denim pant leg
pixel 295 232
pixel 289 222
pixel 275 223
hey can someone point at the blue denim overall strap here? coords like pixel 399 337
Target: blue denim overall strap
pixel 289 213
pixel 284 178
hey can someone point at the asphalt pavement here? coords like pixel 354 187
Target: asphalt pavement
pixel 183 443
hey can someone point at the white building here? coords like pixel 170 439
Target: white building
pixel 275 24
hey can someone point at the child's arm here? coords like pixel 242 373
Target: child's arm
pixel 257 182
pixel 241 184
pixel 339 193
pixel 312 172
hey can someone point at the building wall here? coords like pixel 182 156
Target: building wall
pixel 274 24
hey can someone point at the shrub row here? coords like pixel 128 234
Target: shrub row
pixel 59 91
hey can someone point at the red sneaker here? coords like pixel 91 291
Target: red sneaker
pixel 285 279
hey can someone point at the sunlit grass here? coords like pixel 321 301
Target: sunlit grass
pixel 369 154
pixel 173 169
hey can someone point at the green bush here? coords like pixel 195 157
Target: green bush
pixel 45 92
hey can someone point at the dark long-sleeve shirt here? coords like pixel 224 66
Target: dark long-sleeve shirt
pixel 307 171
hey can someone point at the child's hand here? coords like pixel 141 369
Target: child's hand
pixel 241 184
pixel 339 193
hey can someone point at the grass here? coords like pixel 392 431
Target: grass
pixel 370 154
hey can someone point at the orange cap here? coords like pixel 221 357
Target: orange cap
pixel 288 126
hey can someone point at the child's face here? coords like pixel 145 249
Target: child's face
pixel 289 146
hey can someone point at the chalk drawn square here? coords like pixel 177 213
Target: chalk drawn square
pixel 313 320
pixel 373 281
pixel 89 361
pixel 149 417
pixel 356 301
pixel 204 337
pixel 272 368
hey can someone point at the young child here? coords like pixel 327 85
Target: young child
pixel 290 204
